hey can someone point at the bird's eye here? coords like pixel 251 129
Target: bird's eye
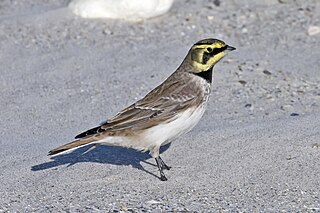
pixel 209 49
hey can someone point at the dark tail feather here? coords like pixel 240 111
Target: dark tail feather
pixel 71 145
pixel 90 132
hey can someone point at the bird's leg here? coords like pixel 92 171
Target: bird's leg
pixel 161 167
pixel 165 166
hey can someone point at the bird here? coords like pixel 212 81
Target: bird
pixel 166 112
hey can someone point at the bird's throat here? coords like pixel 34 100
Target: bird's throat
pixel 207 75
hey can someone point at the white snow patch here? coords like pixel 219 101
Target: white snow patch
pixel 132 10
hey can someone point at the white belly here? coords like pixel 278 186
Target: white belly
pixel 164 133
pixel 151 139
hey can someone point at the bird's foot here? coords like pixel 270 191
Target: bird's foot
pixel 161 166
pixel 163 178
pixel 165 166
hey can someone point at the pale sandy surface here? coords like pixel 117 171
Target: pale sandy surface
pixel 61 75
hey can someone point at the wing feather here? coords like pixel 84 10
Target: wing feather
pixel 161 104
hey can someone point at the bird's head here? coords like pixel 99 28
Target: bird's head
pixel 206 53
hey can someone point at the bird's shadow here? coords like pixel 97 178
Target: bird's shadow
pixel 101 154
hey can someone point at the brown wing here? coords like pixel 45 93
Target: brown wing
pixel 160 104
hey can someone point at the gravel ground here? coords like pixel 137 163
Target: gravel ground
pixel 255 150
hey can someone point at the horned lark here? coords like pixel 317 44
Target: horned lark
pixel 169 110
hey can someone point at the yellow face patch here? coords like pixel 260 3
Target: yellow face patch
pixel 205 56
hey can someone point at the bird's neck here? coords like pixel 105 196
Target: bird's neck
pixel 206 75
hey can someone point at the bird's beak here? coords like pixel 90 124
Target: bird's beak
pixel 230 48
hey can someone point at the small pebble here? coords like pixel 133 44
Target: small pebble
pixel 153 202
pixel 210 17
pixel 266 72
pixel 243 82
pixel 283 1
pixel 217 3
pixel 294 114
pixel 244 30
pixel 316 145
pixel 107 32
pixel 313 30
